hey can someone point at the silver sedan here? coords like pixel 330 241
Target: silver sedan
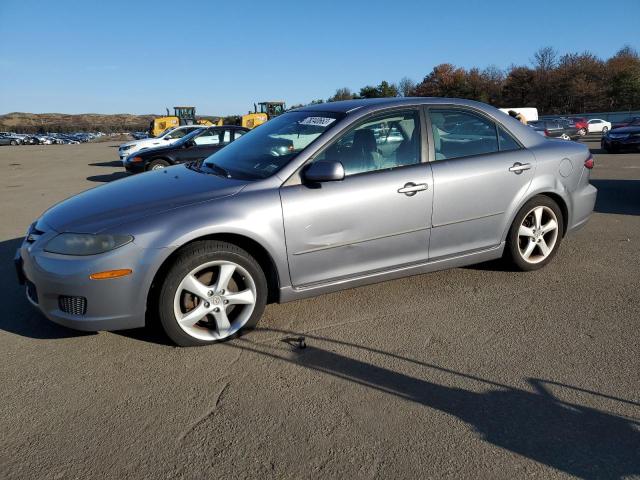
pixel 319 199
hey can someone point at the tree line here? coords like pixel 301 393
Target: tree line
pixel 553 83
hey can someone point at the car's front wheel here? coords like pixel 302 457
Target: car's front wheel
pixel 212 291
pixel 536 233
pixel 605 130
pixel 158 164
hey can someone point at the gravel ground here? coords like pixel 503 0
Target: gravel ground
pixel 469 373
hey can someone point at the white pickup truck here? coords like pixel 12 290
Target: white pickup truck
pixel 167 137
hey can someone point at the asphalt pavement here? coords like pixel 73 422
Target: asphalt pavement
pixel 475 372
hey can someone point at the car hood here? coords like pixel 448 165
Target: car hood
pixel 632 129
pixel 135 197
pixel 145 142
pixel 156 149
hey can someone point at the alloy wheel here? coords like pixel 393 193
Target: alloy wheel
pixel 214 300
pixel 157 167
pixel 538 234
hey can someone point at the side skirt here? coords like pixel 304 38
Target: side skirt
pixel 289 293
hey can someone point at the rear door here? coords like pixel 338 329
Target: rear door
pixel 479 173
pixel 377 218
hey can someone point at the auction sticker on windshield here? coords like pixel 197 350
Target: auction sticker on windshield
pixel 318 121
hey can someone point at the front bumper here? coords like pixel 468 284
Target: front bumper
pixel 123 154
pixel 620 144
pixel 114 304
pixel 138 167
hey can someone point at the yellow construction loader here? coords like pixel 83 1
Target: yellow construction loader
pixel 181 116
pixel 267 111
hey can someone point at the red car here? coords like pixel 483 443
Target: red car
pixel 582 124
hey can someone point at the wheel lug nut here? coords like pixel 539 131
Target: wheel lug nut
pixel 216 309
pixel 210 293
pixel 221 292
pixel 226 301
pixel 206 304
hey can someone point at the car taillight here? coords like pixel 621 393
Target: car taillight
pixel 546 133
pixel 588 163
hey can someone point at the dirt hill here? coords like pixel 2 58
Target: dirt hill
pixel 61 122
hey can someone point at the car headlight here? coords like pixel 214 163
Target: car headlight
pixel 85 244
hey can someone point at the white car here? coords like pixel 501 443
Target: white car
pixel 596 125
pixel 167 137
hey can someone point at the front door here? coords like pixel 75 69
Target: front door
pixel 377 218
pixel 479 173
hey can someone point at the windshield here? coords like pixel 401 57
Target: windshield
pixel 165 132
pixel 266 149
pixel 189 136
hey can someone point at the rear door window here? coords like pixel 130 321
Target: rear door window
pixel 460 133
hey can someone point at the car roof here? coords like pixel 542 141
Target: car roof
pixel 347 106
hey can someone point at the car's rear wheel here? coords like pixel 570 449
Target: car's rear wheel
pixel 605 130
pixel 582 132
pixel 564 136
pixel 13 142
pixel 212 291
pixel 158 164
pixel 536 233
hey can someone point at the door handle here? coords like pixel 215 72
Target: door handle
pixel 410 188
pixel 518 167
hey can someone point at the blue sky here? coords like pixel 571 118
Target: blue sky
pixel 139 57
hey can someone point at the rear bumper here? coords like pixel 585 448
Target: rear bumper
pixel 584 200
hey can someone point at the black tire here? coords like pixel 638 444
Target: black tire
pixel 190 258
pixel 512 249
pixel 157 163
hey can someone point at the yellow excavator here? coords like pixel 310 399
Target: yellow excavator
pixel 267 111
pixel 181 116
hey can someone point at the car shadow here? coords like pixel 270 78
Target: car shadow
pixel 114 163
pixel 569 437
pixel 19 316
pixel 618 196
pixel 108 177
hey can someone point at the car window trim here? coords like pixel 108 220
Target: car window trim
pixel 475 111
pixel 296 179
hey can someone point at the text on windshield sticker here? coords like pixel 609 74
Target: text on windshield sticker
pixel 318 121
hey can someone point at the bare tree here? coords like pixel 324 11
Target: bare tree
pixel 406 86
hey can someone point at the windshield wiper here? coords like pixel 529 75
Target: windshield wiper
pixel 219 169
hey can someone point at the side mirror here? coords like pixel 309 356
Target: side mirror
pixel 323 171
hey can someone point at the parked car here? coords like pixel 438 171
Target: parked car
pixel 194 146
pixel 308 203
pixel 597 125
pixel 627 122
pixel 167 137
pixel 581 123
pixel 623 138
pixel 9 139
pixel 139 135
pixel 556 129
